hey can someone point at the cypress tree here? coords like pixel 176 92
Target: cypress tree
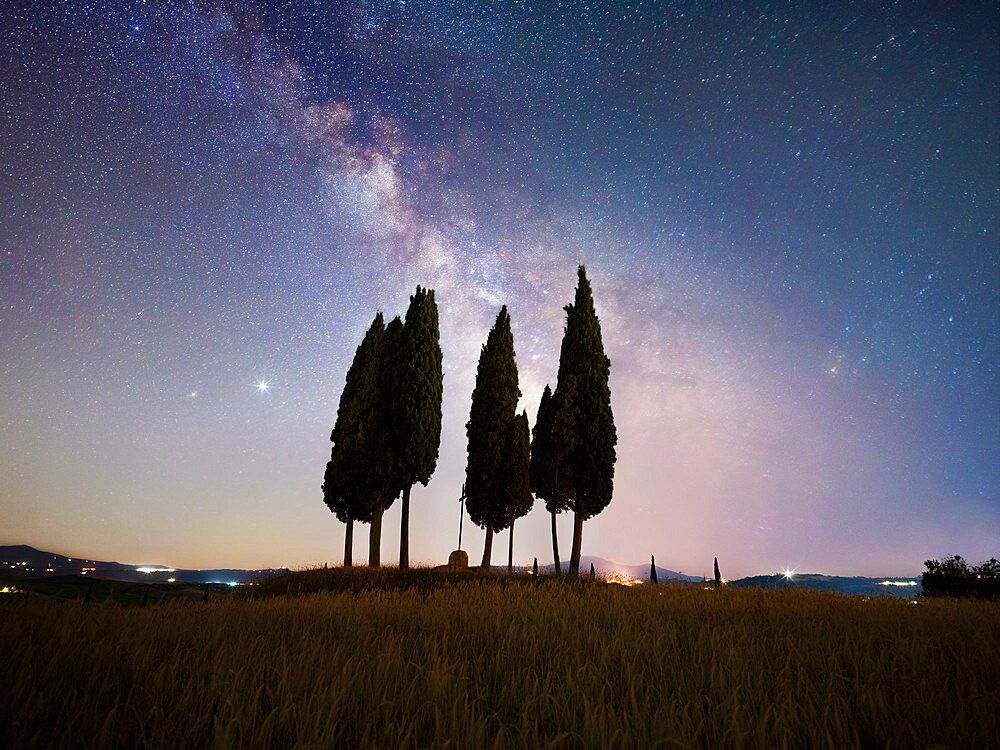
pixel 494 400
pixel 583 405
pixel 347 483
pixel 516 496
pixel 652 570
pixel 718 576
pixel 419 384
pixel 386 475
pixel 550 441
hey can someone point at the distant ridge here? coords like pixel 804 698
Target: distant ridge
pixel 895 586
pixel 904 587
pixel 609 568
pixel 24 561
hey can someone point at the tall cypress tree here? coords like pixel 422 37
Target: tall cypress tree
pixel 494 400
pixel 385 470
pixel 347 483
pixel 583 404
pixel 551 440
pixel 516 496
pixel 419 384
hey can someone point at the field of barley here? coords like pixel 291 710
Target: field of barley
pixel 499 662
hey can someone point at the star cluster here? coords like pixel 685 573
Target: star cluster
pixel 789 215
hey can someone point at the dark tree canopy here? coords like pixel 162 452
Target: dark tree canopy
pixel 387 470
pixel 349 483
pixel 954 577
pixel 419 383
pixel 494 400
pixel 388 427
pixel 542 468
pixel 515 498
pixel 583 402
pixel 552 439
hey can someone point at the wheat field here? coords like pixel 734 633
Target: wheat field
pixel 487 663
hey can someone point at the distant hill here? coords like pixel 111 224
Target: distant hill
pixel 608 568
pixel 902 587
pixel 905 587
pixel 22 561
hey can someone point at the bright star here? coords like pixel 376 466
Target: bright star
pixel 263 385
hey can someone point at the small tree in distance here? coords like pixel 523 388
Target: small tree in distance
pixel 953 577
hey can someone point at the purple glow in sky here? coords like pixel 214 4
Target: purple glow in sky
pixel 789 217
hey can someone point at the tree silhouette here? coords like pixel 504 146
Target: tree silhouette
pixel 583 403
pixel 953 577
pixel 419 382
pixel 494 400
pixel 385 469
pixel 718 575
pixel 551 439
pixel 347 483
pixel 516 491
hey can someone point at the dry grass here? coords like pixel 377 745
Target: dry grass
pixel 482 663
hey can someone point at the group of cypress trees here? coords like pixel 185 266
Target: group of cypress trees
pixel 388 429
pixel 573 443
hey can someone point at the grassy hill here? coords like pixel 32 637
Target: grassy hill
pixel 478 660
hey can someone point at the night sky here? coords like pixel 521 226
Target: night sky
pixel 789 216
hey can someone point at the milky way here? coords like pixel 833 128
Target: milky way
pixel 789 216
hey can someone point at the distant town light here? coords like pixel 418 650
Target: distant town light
pixel 788 574
pixel 898 583
pixel 148 569
pixel 625 581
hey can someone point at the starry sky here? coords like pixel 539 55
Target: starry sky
pixel 789 215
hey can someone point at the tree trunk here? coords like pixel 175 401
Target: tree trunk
pixel 510 550
pixel 375 540
pixel 555 545
pixel 488 547
pixel 349 543
pixel 574 556
pixel 404 531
